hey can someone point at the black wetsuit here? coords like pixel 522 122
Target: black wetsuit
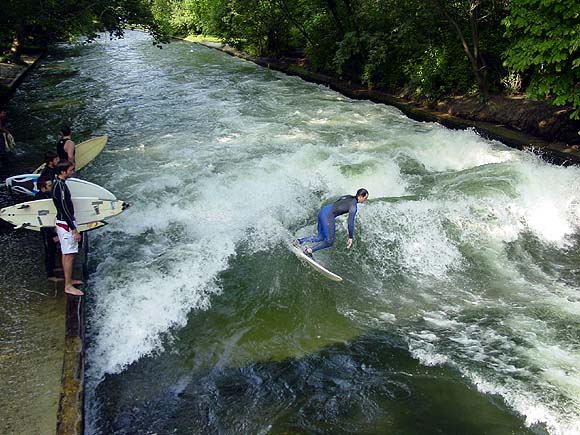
pixel 326 226
pixel 48 235
pixel 48 173
pixel 65 211
pixel 60 149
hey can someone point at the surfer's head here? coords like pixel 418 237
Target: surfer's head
pixel 44 184
pixel 362 195
pixel 51 158
pixel 65 130
pixel 64 169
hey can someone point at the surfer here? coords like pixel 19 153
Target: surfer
pixel 49 236
pixel 65 225
pixel 65 147
pixel 326 225
pixel 49 171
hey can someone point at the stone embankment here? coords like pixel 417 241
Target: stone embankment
pixel 70 418
pixel 12 74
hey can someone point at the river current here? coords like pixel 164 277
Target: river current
pixel 459 311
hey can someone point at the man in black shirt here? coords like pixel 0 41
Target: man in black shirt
pixel 49 170
pixel 65 225
pixel 65 147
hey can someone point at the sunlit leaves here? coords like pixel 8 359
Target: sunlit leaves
pixel 545 37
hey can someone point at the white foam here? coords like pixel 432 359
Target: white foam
pixel 549 199
pixel 193 232
pixel 456 150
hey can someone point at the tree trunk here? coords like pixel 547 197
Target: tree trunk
pixel 298 25
pixel 476 60
pixel 15 52
pixel 334 11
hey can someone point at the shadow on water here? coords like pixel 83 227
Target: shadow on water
pixel 368 386
pixel 222 375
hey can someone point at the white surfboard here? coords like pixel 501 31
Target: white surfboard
pixel 312 263
pixel 42 213
pixel 81 227
pixel 85 152
pixel 26 184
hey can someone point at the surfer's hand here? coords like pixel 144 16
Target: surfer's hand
pixel 348 243
pixel 77 235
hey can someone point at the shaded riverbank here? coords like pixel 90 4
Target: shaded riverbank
pixel 12 74
pixel 41 335
pixel 517 122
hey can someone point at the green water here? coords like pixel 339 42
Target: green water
pixel 459 309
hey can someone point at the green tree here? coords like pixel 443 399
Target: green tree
pixel 545 46
pixel 44 22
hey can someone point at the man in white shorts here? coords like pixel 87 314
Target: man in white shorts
pixel 66 229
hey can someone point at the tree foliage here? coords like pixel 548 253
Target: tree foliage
pixel 430 48
pixel 45 21
pixel 545 46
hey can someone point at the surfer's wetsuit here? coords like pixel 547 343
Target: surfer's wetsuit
pixel 65 211
pixel 62 154
pixel 326 225
pixel 48 172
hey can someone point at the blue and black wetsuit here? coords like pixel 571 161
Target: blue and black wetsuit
pixel 326 225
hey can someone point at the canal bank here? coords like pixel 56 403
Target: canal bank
pixel 42 361
pixel 41 350
pixel 446 113
pixel 12 74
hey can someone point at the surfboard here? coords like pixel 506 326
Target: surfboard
pixel 82 227
pixel 26 184
pixel 42 213
pixel 312 263
pixel 85 152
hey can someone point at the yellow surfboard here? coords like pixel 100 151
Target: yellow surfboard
pixel 85 152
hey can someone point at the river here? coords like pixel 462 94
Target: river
pixel 459 311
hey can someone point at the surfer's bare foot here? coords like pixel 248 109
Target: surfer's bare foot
pixel 73 291
pixel 296 243
pixel 308 253
pixel 55 279
pixel 77 282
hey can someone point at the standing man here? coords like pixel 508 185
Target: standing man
pixel 49 236
pixel 49 170
pixel 326 225
pixel 6 139
pixel 65 225
pixel 65 147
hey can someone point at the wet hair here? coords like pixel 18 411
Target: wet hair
pixel 49 156
pixel 41 182
pixel 65 130
pixel 362 192
pixel 63 166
